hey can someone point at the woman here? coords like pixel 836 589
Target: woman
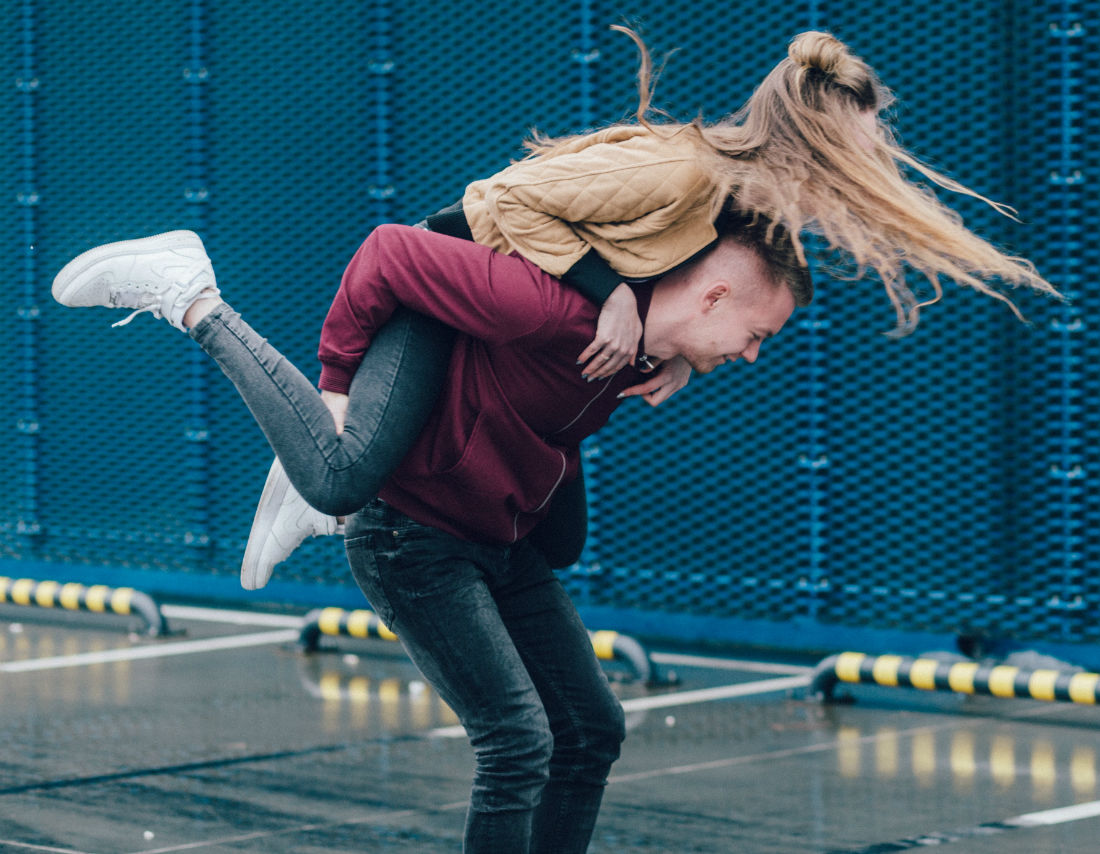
pixel 808 151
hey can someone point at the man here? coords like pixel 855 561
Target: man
pixel 443 555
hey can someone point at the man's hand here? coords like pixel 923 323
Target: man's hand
pixel 669 378
pixel 618 331
pixel 338 405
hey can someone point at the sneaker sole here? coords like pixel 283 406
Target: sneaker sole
pixel 67 283
pixel 271 500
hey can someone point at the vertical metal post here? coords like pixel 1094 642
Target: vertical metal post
pixel 1065 578
pixel 26 85
pixel 197 196
pixel 381 191
pixel 813 582
pixel 814 15
pixel 586 55
pixel 814 462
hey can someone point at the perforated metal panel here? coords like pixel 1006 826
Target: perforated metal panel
pixel 941 483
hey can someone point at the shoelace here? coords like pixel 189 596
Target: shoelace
pixel 141 299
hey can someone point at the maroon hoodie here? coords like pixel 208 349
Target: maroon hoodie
pixel 506 430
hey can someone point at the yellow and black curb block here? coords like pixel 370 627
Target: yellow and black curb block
pixel 97 598
pixel 336 622
pixel 612 646
pixel 963 677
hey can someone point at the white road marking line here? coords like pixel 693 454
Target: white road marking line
pixel 236 618
pixel 729 762
pixel 810 748
pixel 727 664
pixel 152 651
pixel 681 698
pixel 723 692
pixel 1061 815
pixel 27 846
pixel 457 731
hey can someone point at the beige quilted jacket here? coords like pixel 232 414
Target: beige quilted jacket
pixel 621 199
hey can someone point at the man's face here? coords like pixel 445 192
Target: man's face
pixel 734 319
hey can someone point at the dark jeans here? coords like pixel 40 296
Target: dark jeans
pixel 492 629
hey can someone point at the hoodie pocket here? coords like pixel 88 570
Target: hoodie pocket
pixel 503 459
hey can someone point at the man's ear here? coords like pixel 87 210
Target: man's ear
pixel 714 294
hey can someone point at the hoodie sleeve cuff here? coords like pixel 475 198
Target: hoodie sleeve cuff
pixel 452 221
pixel 336 378
pixel 593 277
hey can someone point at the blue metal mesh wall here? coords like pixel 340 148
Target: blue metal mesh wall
pixel 933 484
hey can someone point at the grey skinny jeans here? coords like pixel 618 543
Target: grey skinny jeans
pixel 389 401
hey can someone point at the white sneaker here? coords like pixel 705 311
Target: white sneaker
pixel 163 274
pixel 283 521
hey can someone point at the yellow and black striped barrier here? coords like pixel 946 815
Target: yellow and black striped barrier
pixel 612 646
pixel 963 677
pixel 335 622
pixel 97 598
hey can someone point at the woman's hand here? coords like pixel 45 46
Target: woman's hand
pixel 618 331
pixel 669 378
pixel 338 405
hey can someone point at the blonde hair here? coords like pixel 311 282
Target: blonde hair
pixel 793 156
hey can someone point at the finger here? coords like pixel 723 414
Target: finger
pixel 648 387
pixel 602 367
pixel 591 364
pixel 591 351
pixel 658 396
pixel 606 365
pixel 595 366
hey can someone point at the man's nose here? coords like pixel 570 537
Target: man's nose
pixel 750 353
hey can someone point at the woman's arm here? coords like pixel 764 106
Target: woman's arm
pixel 618 331
pixel 669 378
pixel 547 208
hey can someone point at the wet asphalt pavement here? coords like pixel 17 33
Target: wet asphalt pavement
pixel 225 737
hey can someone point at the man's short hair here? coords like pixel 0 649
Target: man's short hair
pixel 777 251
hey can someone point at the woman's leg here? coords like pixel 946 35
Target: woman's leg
pixel 171 276
pixel 284 519
pixel 389 400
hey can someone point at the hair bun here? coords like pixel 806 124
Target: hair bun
pixel 822 51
